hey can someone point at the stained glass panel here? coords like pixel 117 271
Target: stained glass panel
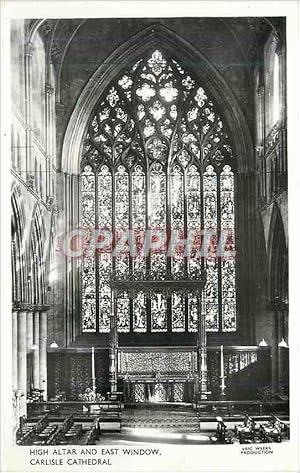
pixel 157 220
pixel 158 313
pixel 88 273
pixel 210 227
pixel 104 307
pixel 194 219
pixel 123 313
pixel 88 295
pixel 193 305
pixel 177 221
pixel 122 222
pixel 139 221
pixel 139 313
pixel 104 254
pixel 88 197
pixel 228 262
pixel 178 313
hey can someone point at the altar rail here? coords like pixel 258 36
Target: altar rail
pixel 72 407
pixel 204 408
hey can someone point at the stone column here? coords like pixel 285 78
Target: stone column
pixel 36 351
pixel 113 345
pixel 43 352
pixel 274 339
pixel 22 360
pixel 29 331
pixel 15 349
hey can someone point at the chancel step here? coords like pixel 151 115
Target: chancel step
pixel 180 420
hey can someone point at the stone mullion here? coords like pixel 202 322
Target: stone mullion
pixel 168 236
pixel 97 255
pixel 219 234
pixel 131 243
pixel 113 335
pixel 113 344
pixel 186 265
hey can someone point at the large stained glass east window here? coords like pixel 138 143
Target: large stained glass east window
pixel 157 158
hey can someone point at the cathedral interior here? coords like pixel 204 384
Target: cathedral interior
pixel 149 228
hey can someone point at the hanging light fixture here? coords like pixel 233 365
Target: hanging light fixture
pixel 263 343
pixel 53 344
pixel 283 343
pixel 35 346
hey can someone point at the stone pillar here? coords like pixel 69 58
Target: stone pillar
pixel 22 360
pixel 43 352
pixel 29 331
pixel 15 350
pixel 36 351
pixel 274 340
pixel 113 345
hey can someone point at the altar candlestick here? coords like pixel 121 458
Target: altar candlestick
pixel 222 362
pixel 222 373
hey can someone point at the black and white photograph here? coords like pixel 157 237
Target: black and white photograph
pixel 148 250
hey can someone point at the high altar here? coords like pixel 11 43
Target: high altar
pixel 160 374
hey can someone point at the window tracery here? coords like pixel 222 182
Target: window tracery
pixel 159 155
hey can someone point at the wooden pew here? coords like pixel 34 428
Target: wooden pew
pixel 223 435
pixel 69 432
pixel 275 429
pixel 247 431
pixel 89 436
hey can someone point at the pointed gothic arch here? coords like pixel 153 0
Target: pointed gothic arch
pixel 153 37
pixel 37 257
pixel 277 258
pixel 18 248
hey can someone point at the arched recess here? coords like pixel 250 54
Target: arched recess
pixel 278 301
pixel 37 258
pixel 18 249
pixel 152 37
pixel 278 259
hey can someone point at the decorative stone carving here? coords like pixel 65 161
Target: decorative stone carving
pixel 260 151
pixel 51 204
pixel 30 180
pixel 60 108
pixel 49 89
pixel 29 49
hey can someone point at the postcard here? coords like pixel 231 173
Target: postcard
pixel 149 255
